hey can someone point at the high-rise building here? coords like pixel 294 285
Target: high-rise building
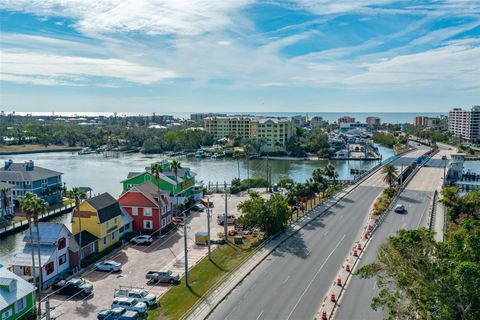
pixel 299 121
pixel 224 127
pixel 465 124
pixel 346 119
pixel 317 122
pixel 422 121
pixel 372 121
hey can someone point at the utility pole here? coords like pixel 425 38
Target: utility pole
pixel 225 224
pixel 47 308
pixel 267 174
pixel 208 230
pixel 185 246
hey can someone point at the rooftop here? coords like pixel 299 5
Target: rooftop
pixel 107 206
pixel 27 171
pixel 21 288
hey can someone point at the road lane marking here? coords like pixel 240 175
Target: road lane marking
pixel 313 279
pixel 228 315
pixel 259 315
pixel 286 279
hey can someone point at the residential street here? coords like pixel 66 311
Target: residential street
pixel 166 253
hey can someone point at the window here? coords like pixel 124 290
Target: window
pixel 115 221
pixel 104 241
pixel 62 243
pixel 107 224
pixel 20 304
pixel 163 222
pixel 113 235
pixel 169 218
pixel 147 224
pixel 50 267
pixel 62 259
pixel 147 212
pixel 134 211
pixel 7 314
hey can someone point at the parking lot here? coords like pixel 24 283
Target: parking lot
pixel 166 253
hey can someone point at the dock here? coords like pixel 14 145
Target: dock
pixel 23 225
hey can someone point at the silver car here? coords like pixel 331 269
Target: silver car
pixel 399 208
pixel 129 304
pixel 108 265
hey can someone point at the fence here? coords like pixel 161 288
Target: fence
pixel 21 225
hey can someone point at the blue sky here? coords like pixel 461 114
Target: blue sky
pixel 239 55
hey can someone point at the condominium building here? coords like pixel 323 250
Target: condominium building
pixel 317 122
pixel 197 117
pixel 346 119
pixel 273 133
pixel 422 121
pixel 299 121
pixel 465 124
pixel 372 121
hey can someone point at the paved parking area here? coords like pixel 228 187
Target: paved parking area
pixel 166 253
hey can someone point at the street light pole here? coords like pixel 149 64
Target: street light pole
pixel 225 224
pixel 208 229
pixel 185 246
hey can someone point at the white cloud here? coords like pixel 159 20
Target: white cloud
pixel 26 67
pixel 183 17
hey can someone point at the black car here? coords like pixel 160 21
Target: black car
pixel 73 286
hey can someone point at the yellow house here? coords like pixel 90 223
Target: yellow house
pixel 101 216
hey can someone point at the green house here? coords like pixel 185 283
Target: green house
pixel 16 296
pixel 181 186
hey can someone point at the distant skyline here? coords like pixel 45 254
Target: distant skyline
pixel 166 56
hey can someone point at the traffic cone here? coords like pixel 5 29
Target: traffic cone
pixel 359 246
pixel 365 235
pixel 324 315
pixel 339 281
pixel 355 253
pixel 332 297
pixel 347 268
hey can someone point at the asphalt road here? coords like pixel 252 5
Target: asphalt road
pixel 291 283
pixel 355 302
pixel 417 197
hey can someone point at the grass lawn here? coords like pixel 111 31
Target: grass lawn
pixel 203 276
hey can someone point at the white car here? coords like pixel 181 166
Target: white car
pixel 142 239
pixel 129 304
pixel 108 265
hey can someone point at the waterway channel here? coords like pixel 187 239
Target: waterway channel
pixel 103 174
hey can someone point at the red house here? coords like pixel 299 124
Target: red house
pixel 142 202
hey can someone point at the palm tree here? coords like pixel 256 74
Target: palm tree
pixel 156 170
pixel 5 199
pixel 175 166
pixel 247 149
pixel 390 174
pixel 33 205
pixel 78 195
pixel 331 173
pixel 236 156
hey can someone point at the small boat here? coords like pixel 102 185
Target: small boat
pixel 218 155
pixel 199 154
pixel 86 150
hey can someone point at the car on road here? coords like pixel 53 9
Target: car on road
pixel 399 208
pixel 142 239
pixel 136 293
pixel 197 207
pixel 117 314
pixel 444 157
pixel 221 218
pixel 129 304
pixel 73 286
pixel 162 277
pixel 108 265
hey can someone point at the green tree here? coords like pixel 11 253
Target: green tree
pixel 32 206
pixel 331 173
pixel 78 195
pixel 390 173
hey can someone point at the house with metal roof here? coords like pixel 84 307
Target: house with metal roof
pixel 16 296
pixel 180 185
pixel 54 242
pixel 102 217
pixel 149 207
pixel 27 177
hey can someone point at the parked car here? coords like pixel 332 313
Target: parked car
pixel 444 157
pixel 72 287
pixel 197 207
pixel 221 217
pixel 162 277
pixel 140 294
pixel 117 314
pixel 142 239
pixel 129 304
pixel 399 208
pixel 108 265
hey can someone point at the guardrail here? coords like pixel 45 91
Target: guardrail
pixel 431 219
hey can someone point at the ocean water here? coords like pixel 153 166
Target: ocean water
pixel 385 117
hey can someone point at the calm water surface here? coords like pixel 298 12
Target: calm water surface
pixel 103 174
